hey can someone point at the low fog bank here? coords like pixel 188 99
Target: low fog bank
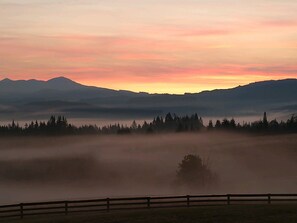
pixel 57 168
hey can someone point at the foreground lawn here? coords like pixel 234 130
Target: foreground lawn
pixel 217 214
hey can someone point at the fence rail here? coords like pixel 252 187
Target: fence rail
pixel 132 203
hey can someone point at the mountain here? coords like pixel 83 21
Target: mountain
pixel 58 83
pixel 29 86
pixel 39 99
pixel 56 87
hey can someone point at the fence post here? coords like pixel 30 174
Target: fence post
pixel 148 202
pixel 66 207
pixel 188 200
pixel 21 210
pixel 228 199
pixel 269 198
pixel 107 204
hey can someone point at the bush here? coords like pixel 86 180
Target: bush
pixel 192 172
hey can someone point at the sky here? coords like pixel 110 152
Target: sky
pixel 157 46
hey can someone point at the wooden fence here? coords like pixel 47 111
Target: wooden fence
pixel 132 203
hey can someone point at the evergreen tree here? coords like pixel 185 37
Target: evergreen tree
pixel 265 121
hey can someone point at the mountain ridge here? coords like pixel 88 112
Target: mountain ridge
pixel 64 80
pixel 61 95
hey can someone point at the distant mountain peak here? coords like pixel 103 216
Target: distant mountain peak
pixel 22 87
pixel 6 80
pixel 63 83
pixel 61 79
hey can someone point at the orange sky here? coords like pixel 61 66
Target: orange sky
pixel 172 46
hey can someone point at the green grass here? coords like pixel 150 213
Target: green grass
pixel 209 214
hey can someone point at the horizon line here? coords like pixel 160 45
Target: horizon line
pixel 144 92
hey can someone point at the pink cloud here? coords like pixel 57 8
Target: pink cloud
pixel 183 31
pixel 116 59
pixel 280 23
pixel 175 73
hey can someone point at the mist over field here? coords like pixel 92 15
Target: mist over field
pixel 75 167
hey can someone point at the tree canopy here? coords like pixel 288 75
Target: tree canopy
pixel 192 172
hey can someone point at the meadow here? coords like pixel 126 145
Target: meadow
pixel 210 214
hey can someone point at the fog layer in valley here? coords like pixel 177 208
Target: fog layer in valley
pixel 57 168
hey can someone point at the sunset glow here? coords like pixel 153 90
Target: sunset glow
pixel 157 46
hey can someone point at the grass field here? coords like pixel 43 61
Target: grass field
pixel 209 214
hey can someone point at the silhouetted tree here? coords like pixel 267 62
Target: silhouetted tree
pixel 232 124
pixel 218 124
pixel 134 126
pixel 60 126
pixel 210 125
pixel 265 121
pixel 192 172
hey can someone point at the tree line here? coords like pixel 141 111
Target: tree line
pixel 170 123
